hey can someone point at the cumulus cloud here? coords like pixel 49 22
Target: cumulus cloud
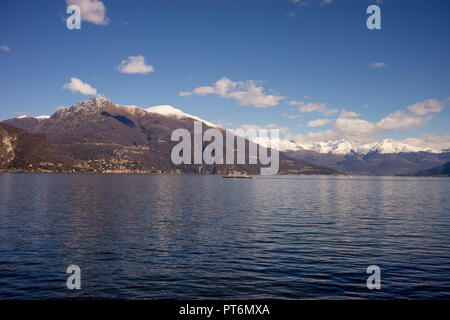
pixel 249 93
pixel 282 130
pixel 93 11
pixel 436 142
pixel 292 116
pixel 5 48
pixel 378 65
pixel 134 65
pixel 361 131
pixel 349 114
pixel 76 85
pixel 317 107
pixel 426 107
pixel 318 122
pixel 296 103
pixel 402 120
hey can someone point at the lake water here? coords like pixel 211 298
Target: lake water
pixel 193 236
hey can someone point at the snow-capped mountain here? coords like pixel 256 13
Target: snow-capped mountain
pixel 335 147
pixel 280 144
pixel 99 104
pixel 38 117
pixel 343 147
pixel 390 146
pixel 102 136
pixel 169 111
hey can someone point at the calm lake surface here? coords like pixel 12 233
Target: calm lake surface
pixel 193 236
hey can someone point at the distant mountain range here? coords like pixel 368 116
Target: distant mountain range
pixel 439 171
pixel 387 157
pixel 375 163
pixel 100 136
pixel 97 135
pixel 344 147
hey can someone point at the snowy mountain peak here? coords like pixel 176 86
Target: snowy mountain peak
pixel 169 111
pixel 336 147
pixel 38 117
pixel 42 117
pixel 389 146
pixel 344 147
pixel 282 144
pixel 99 104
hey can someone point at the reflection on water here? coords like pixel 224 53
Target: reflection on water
pixel 181 236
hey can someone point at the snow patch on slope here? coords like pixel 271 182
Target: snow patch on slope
pixel 38 117
pixel 169 111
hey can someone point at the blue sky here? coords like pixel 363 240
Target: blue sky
pixel 279 59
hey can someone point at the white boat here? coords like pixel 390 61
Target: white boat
pixel 237 174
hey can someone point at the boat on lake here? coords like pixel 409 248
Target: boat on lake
pixel 238 175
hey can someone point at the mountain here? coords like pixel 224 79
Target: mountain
pixel 23 151
pixel 344 147
pixel 102 136
pixel 390 146
pixel 374 162
pixel 439 171
pixel 386 157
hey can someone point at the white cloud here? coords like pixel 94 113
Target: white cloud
pixel 296 103
pixel 401 120
pixel 360 131
pixel 134 65
pixel 426 107
pixel 248 93
pixel 318 122
pixel 283 130
pixel 349 114
pixel 76 85
pixel 378 65
pixel 434 141
pixel 310 2
pixel 185 94
pixel 5 48
pixel 247 126
pixel 93 11
pixel 290 14
pixel 317 107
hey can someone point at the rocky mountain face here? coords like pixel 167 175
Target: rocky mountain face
pixel 102 136
pixel 20 150
pixel 374 163
pixel 439 171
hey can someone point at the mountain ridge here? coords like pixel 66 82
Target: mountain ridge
pixel 107 137
pixel 344 147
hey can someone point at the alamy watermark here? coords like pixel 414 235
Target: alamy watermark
pixel 74 280
pixel 189 151
pixel 374 20
pixel 374 280
pixel 74 20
